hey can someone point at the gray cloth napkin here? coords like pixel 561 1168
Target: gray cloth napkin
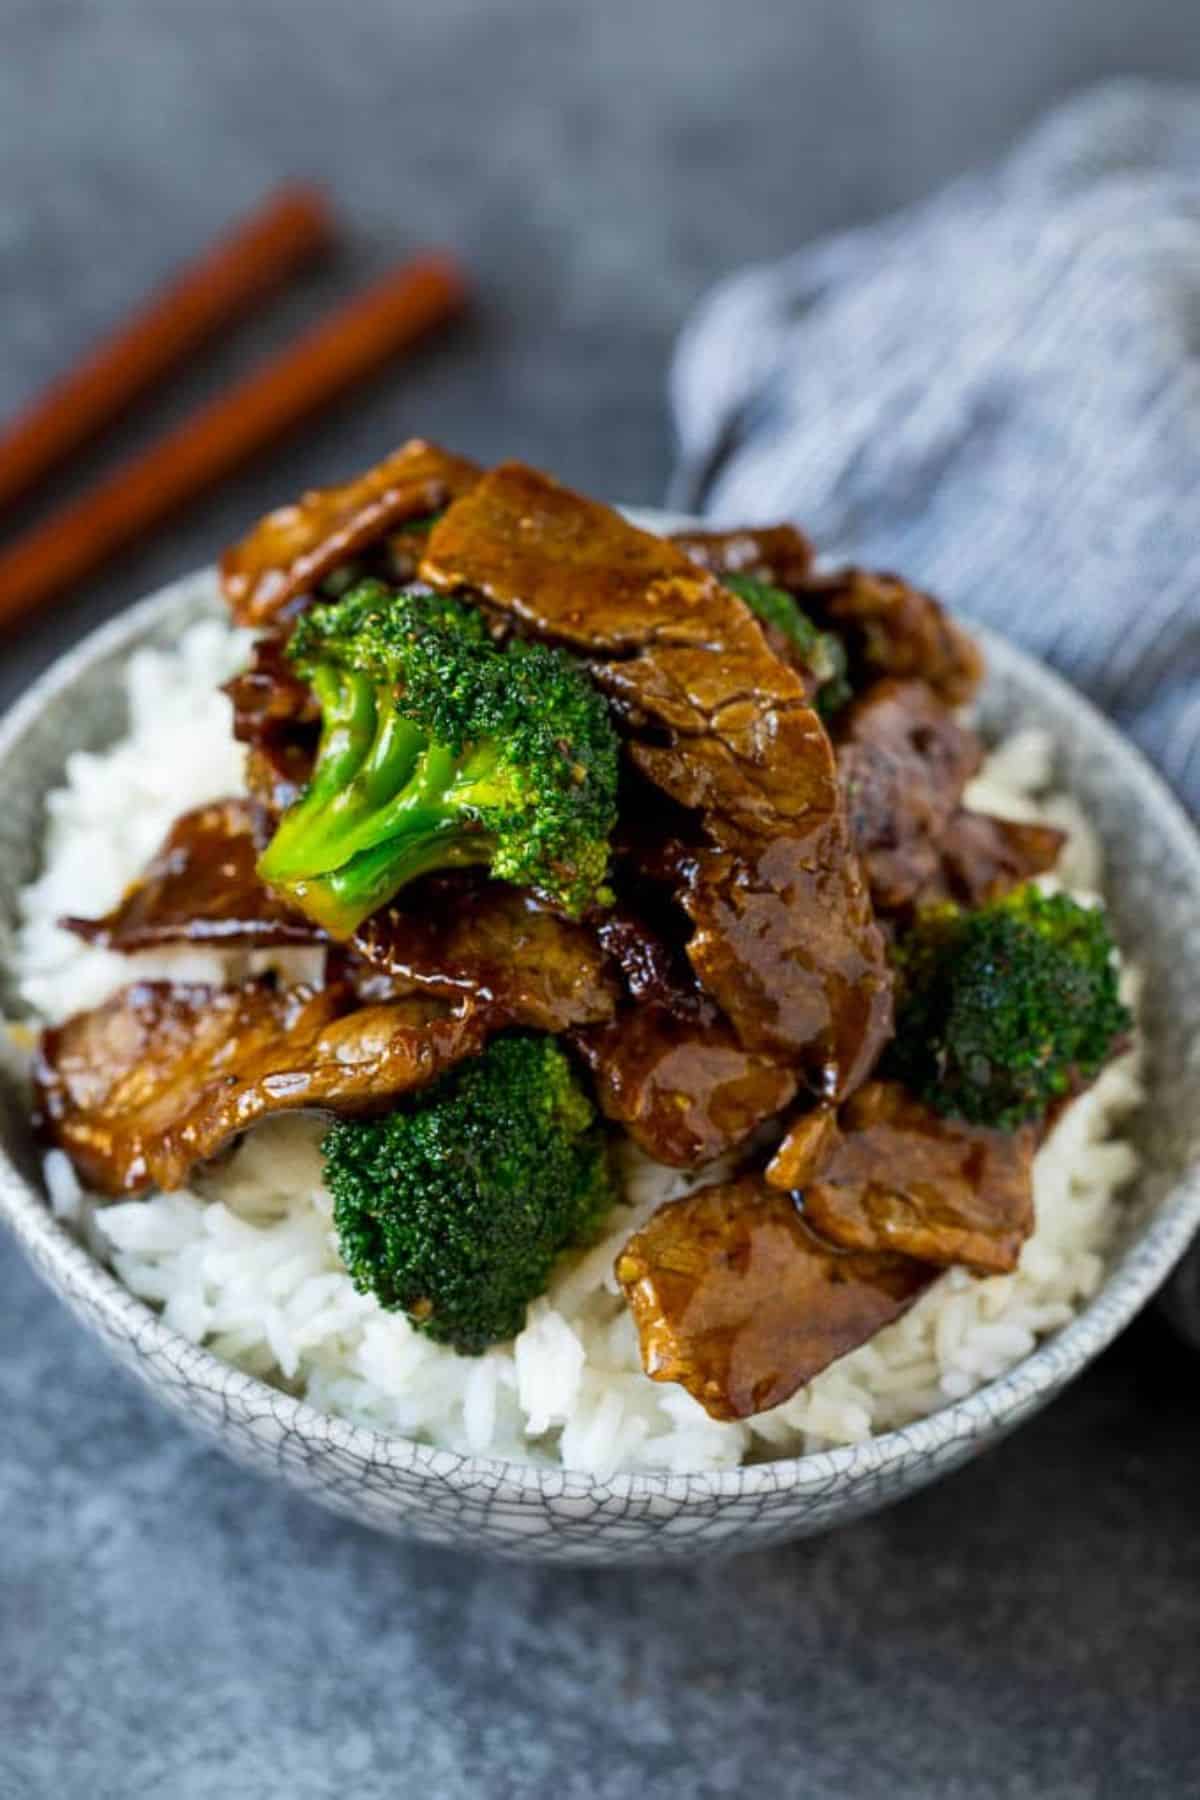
pixel 997 393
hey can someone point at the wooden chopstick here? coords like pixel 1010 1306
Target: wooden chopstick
pixel 357 339
pixel 291 228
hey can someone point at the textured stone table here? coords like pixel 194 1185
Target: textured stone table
pixel 172 1627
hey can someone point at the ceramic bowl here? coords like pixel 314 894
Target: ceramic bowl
pixel 558 1515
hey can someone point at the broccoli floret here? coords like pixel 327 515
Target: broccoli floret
pixel 438 749
pixel 454 1207
pixel 1003 1010
pixel 821 652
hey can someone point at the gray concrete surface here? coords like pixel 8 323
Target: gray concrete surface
pixel 170 1626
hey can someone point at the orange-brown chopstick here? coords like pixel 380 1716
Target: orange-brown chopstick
pixel 356 340
pixel 291 228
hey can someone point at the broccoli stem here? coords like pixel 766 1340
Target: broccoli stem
pixel 348 712
pixel 341 899
pixel 368 752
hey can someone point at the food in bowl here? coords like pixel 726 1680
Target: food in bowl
pixel 596 1004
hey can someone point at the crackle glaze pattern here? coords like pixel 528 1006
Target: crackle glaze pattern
pixel 558 1515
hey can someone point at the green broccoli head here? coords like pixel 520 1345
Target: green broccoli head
pixel 821 652
pixel 439 749
pixel 454 1207
pixel 1002 1011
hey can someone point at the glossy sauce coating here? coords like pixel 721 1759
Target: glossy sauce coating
pixel 680 1083
pixel 294 548
pixel 778 554
pixel 741 1303
pixel 895 1175
pixel 893 629
pixel 202 887
pixel 163 1075
pixel 496 944
pixel 904 760
pixel 276 716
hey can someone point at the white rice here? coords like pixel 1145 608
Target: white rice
pixel 245 1259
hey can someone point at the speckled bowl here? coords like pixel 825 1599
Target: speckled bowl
pixel 558 1515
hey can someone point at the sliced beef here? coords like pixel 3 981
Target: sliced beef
pixel 681 1084
pixel 779 941
pixel 668 1067
pixel 291 550
pixel 981 858
pixel 778 554
pixel 721 726
pixel 890 628
pixel 904 760
pixel 576 572
pixel 806 1146
pixel 277 773
pixel 162 1076
pixel 268 694
pixel 495 944
pixel 399 556
pixel 277 717
pixel 730 734
pixel 645 957
pixel 895 1175
pixel 737 1299
pixel 201 887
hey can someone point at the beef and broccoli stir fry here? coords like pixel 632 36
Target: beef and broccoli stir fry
pixel 604 835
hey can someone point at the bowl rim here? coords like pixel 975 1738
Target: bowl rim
pixel 1140 1268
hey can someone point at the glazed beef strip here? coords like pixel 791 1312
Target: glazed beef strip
pixel 494 943
pixel 738 1300
pixel 778 554
pixel 784 936
pixel 669 1068
pixel 904 761
pixel 679 1082
pixel 277 717
pixel 291 550
pixel 201 887
pixel 647 961
pixel 981 858
pixel 162 1076
pixel 890 628
pixel 892 1174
